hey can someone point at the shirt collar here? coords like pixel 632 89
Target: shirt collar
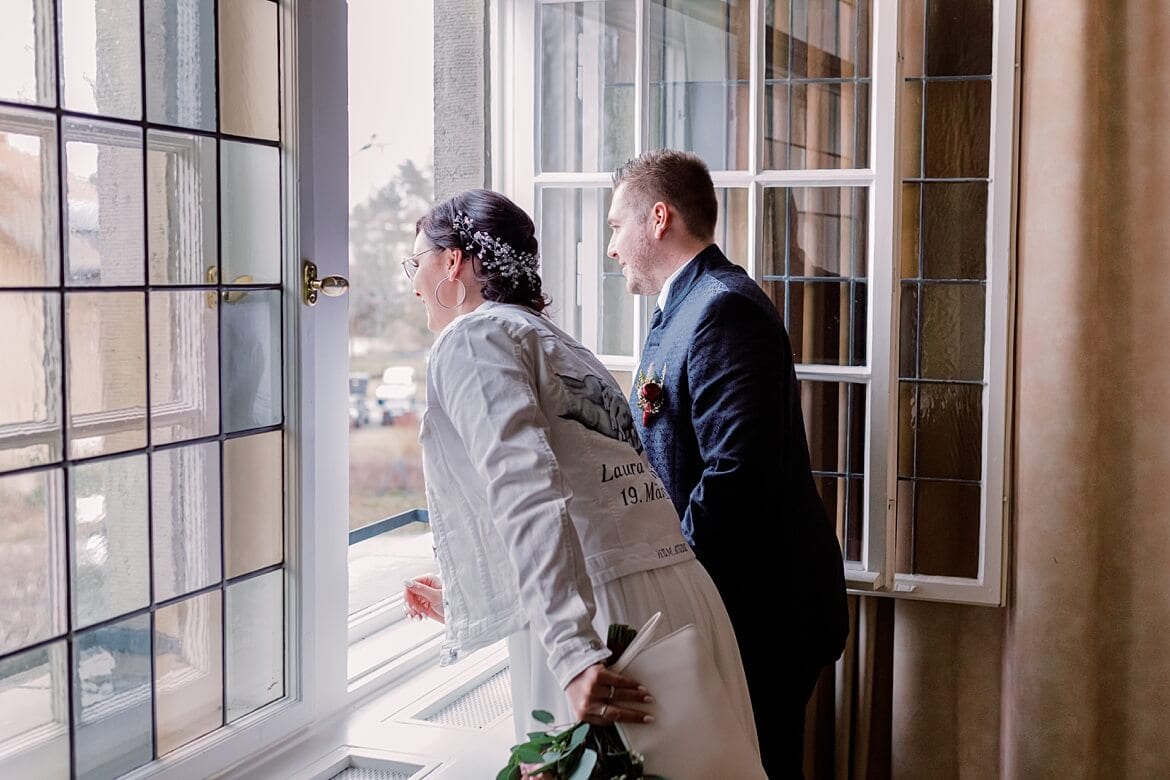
pixel 665 292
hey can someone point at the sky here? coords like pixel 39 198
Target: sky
pixel 391 90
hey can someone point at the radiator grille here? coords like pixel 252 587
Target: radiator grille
pixel 368 773
pixel 479 707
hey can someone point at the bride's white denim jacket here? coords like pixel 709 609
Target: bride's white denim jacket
pixel 536 484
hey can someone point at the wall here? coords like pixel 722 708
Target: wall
pixel 462 141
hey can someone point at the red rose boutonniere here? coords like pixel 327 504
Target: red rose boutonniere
pixel 651 394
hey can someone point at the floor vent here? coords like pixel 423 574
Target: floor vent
pixel 477 708
pixel 368 773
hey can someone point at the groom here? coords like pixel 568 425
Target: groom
pixel 717 408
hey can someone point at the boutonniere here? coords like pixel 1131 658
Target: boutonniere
pixel 651 393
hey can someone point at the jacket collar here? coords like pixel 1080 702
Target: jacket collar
pixel 709 258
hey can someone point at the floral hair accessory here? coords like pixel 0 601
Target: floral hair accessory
pixel 495 255
pixel 651 393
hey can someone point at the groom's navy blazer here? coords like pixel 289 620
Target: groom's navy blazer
pixel 729 444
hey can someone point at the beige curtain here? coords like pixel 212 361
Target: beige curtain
pixel 1072 679
pixel 847 724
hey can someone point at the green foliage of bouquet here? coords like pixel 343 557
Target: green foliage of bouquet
pixel 580 751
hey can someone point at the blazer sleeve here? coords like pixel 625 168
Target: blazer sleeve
pixel 739 377
pixel 484 379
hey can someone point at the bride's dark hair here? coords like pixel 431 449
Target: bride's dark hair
pixel 500 237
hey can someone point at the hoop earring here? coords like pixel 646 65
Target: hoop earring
pixel 462 296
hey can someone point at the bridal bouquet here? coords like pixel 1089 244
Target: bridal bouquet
pixel 580 751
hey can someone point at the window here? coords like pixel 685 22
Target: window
pixel 862 155
pixel 143 573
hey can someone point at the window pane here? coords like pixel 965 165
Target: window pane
pixel 188 670
pixel 959 37
pixel 34 714
pixel 255 643
pixel 251 213
pixel 816 84
pixel 103 174
pixel 112 700
pixel 108 521
pixel 251 360
pixel 910 130
pixel 908 355
pixel 835 425
pixel 29 240
pixel 180 62
pixel 30 388
pixel 249 98
pixel 907 424
pixel 186 519
pixel 731 229
pixel 952 331
pixel 26 38
pixel 102 57
pixel 958 128
pixel 184 365
pixel 253 505
pixel 106 372
pixel 573 236
pixel 617 316
pixel 32 559
pixel 949 431
pixel 911 227
pixel 181 208
pixel 812 237
pixel 585 101
pixel 828 38
pixel 828 128
pixel 954 230
pixel 912 35
pixel 819 322
pixel 699 69
pixel 946 529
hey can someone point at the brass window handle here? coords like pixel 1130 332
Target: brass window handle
pixel 311 286
pixel 229 296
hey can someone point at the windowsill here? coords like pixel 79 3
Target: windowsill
pixel 391 653
pixel 383 724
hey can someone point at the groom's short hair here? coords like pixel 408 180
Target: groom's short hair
pixel 680 180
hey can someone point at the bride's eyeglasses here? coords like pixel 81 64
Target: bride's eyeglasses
pixel 410 263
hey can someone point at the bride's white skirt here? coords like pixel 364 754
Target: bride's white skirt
pixel 683 592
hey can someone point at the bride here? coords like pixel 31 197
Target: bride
pixel 549 523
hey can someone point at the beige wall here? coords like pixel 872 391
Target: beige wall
pixel 1072 680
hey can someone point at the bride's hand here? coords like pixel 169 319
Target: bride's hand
pixel 600 696
pixel 424 598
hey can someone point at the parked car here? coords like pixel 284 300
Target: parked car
pixel 359 411
pixel 398 392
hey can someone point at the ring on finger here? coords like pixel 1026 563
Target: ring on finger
pixel 604 707
pixel 611 693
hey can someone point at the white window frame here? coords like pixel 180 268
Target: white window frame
pixel 314 121
pixel 514 118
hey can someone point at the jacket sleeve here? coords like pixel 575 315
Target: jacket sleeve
pixel 484 377
pixel 739 377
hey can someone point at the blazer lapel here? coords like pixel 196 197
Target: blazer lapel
pixel 679 289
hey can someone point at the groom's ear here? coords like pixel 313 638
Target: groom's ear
pixel 661 218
